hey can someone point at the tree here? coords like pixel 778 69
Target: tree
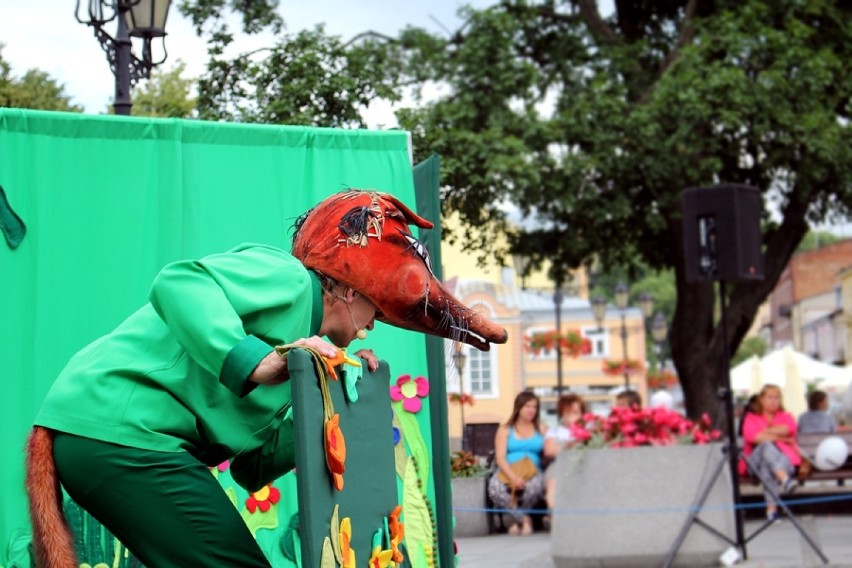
pixel 166 94
pixel 306 78
pixel 35 90
pixel 750 346
pixel 591 125
pixel 594 124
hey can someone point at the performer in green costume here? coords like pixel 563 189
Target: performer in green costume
pixel 191 379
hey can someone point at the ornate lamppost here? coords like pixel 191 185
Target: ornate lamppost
pixel 659 332
pixel 622 298
pixel 144 19
pixel 521 263
pixel 459 359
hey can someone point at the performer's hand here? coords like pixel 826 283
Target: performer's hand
pixel 370 357
pixel 272 370
pixel 325 348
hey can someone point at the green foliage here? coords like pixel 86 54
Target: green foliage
pixel 34 89
pixel 308 78
pixel 817 239
pixel 589 127
pixel 465 464
pixel 166 94
pixel 753 345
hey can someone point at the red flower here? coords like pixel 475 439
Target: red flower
pixel 263 499
pixel 570 343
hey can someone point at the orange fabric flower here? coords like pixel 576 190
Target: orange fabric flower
pixel 335 450
pixel 397 532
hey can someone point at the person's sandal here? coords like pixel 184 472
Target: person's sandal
pixel 527 528
pixel 515 529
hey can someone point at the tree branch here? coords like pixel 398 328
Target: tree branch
pixel 369 34
pixel 592 17
pixel 687 32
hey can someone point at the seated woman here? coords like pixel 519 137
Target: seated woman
pixel 770 444
pixel 521 437
pixel 570 409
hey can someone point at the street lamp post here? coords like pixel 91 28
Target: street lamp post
pixel 557 302
pixel 521 264
pixel 659 332
pixel 459 359
pixel 622 297
pixel 144 19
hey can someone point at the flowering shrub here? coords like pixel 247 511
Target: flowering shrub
pixel 615 368
pixel 465 464
pixel 569 343
pixel 662 379
pixel 627 428
pixel 461 398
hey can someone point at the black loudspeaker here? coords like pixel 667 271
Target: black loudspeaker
pixel 721 233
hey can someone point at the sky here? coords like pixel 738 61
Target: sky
pixel 45 34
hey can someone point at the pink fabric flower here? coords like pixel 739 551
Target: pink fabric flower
pixel 410 391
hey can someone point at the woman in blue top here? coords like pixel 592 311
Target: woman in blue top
pixel 521 437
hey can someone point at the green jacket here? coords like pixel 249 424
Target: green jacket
pixel 173 375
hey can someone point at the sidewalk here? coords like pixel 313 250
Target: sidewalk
pixel 779 546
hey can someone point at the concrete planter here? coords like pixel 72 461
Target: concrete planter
pixel 625 507
pixel 469 506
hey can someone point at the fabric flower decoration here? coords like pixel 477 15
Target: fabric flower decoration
pixel 397 533
pixel 263 499
pixel 347 554
pixel 410 391
pixel 335 450
pixel 380 558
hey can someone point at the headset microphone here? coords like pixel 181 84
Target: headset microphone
pixel 361 333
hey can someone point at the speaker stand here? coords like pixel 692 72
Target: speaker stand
pixel 733 453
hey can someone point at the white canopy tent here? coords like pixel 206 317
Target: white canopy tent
pixel 792 371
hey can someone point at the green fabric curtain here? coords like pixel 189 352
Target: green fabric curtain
pixel 107 201
pixel 427 183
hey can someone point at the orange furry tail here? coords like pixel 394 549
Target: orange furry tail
pixel 52 540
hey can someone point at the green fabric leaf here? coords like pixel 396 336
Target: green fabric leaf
pixel 416 445
pixel 419 531
pixel 351 376
pixel 232 495
pixel 261 520
pixel 334 531
pixel 399 455
pixel 327 559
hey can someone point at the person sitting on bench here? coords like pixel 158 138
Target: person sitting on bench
pixel 770 445
pixel 817 420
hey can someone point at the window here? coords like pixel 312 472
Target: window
pixel 481 376
pixel 599 339
pixel 543 354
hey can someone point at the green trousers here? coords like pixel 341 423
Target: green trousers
pixel 167 508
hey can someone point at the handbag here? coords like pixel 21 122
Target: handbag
pixel 523 468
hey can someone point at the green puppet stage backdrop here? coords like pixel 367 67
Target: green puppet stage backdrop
pixel 95 205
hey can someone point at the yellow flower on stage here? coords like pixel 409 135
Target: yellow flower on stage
pixel 346 552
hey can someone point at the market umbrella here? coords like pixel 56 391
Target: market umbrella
pixel 793 391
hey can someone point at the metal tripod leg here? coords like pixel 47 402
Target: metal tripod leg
pixel 694 512
pixel 768 487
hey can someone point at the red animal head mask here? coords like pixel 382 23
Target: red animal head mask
pixel 362 240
